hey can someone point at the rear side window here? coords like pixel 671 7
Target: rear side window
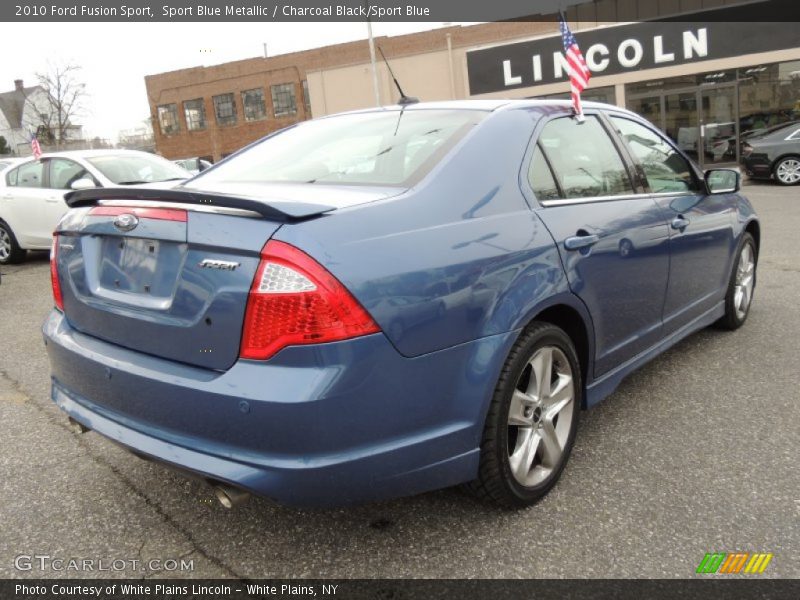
pixel 389 148
pixel 666 170
pixel 541 178
pixel 584 159
pixel 29 175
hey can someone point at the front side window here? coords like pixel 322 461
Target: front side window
pixel 666 170
pixel 29 175
pixel 584 159
pixel 376 148
pixel 63 173
pixel 168 118
pixel 283 99
pixel 195 112
pixel 225 109
pixel 254 107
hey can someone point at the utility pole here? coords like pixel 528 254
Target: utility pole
pixel 374 65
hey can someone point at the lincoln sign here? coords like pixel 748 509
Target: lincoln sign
pixel 617 49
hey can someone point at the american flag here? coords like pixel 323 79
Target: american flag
pixel 579 73
pixel 37 149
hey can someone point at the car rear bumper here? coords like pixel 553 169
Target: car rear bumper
pixel 319 425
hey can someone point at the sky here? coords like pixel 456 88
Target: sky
pixel 115 57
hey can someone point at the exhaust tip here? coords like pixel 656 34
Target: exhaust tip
pixel 230 496
pixel 76 426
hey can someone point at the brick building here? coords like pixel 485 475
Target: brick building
pixel 706 79
pixel 213 111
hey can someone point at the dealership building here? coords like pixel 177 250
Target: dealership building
pixel 706 76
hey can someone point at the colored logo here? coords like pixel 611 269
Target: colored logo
pixel 736 562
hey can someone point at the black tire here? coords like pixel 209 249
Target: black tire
pixel 733 318
pixel 14 254
pixel 496 483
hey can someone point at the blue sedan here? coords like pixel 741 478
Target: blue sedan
pixel 391 301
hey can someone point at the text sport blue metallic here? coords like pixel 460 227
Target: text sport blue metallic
pixel 391 301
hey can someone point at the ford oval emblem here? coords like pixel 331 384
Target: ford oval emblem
pixel 126 222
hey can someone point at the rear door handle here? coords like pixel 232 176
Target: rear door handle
pixel 680 223
pixel 581 241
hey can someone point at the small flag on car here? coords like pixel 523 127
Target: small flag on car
pixel 37 149
pixel 579 73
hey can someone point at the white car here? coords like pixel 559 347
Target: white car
pixel 32 191
pixel 193 165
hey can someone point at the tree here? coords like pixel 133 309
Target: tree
pixel 64 95
pixel 4 149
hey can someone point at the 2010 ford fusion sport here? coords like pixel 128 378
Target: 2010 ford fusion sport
pixel 392 301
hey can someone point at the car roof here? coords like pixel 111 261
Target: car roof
pixel 95 153
pixel 486 105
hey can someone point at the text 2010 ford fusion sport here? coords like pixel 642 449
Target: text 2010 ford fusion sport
pixel 391 301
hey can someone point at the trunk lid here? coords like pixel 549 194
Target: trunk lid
pixel 171 278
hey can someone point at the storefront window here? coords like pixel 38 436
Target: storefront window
pixel 768 95
pixel 708 114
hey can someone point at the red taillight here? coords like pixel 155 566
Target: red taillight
pixel 57 297
pixel 294 300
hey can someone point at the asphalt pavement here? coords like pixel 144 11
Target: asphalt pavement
pixel 696 452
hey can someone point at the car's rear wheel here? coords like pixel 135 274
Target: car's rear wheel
pixel 741 285
pixel 787 171
pixel 10 252
pixel 532 420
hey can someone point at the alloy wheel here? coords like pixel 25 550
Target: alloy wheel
pixel 5 244
pixel 540 416
pixel 788 171
pixel 745 280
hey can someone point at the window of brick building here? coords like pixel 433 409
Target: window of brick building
pixel 254 107
pixel 168 118
pixel 195 112
pixel 283 99
pixel 306 98
pixel 225 109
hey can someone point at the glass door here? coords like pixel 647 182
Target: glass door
pixel 719 125
pixel 682 122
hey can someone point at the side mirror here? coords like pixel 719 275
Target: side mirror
pixel 723 181
pixel 83 184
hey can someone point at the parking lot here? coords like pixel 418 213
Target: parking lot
pixel 697 452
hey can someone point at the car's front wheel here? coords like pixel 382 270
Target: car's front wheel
pixel 741 285
pixel 10 251
pixel 532 419
pixel 787 171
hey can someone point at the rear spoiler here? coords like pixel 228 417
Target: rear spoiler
pixel 276 210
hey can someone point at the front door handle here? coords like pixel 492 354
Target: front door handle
pixel 680 223
pixel 581 241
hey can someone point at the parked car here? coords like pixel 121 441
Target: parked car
pixel 7 162
pixel 774 153
pixel 32 191
pixel 274 325
pixel 194 165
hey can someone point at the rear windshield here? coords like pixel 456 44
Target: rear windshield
pixel 387 148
